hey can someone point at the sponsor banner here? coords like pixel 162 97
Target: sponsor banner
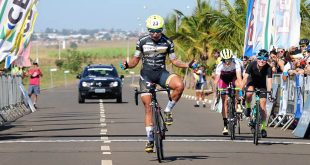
pixel 248 39
pixel 303 127
pixel 287 22
pixel 299 97
pixel 13 14
pixel 263 15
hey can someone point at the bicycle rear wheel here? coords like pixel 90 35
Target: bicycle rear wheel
pixel 239 116
pixel 257 125
pixel 231 118
pixel 158 135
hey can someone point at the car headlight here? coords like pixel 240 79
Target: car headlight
pixel 114 84
pixel 86 84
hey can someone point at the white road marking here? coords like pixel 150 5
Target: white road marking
pixel 105 148
pixel 106 162
pixel 103 124
pixel 105 139
pixel 104 130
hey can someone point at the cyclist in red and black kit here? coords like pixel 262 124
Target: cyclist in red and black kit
pixel 258 75
pixel 153 49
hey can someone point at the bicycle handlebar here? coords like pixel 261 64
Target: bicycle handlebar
pixel 257 90
pixel 151 91
pixel 225 89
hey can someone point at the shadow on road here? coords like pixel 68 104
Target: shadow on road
pixel 175 158
pixel 106 102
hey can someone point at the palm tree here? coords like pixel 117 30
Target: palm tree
pixel 231 21
pixel 192 35
pixel 305 18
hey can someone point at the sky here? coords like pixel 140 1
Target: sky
pixel 107 14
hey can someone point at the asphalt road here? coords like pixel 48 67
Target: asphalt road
pixel 98 132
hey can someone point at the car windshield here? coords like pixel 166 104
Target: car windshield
pixel 100 72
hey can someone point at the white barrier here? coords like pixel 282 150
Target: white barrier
pixel 292 94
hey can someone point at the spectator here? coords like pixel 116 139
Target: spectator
pixel 217 57
pixel 245 62
pixel 17 71
pixel 307 60
pixel 200 84
pixel 293 66
pixel 281 53
pixel 303 43
pixel 35 74
pixel 276 63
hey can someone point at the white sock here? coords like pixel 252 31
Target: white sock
pixel 170 105
pixel 149 133
pixel 197 102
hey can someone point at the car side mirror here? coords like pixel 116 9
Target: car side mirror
pixel 78 76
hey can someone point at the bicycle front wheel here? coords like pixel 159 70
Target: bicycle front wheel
pixel 257 125
pixel 231 118
pixel 158 138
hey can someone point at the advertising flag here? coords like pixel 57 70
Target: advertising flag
pixel 13 14
pixel 25 34
pixel 263 18
pixel 248 39
pixel 288 22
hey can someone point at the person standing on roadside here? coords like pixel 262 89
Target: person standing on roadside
pixel 200 84
pixel 35 74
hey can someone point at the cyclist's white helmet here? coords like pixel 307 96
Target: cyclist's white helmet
pixel 155 22
pixel 226 54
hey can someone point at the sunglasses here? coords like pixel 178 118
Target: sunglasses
pixel 280 51
pixel 227 60
pixel 155 30
pixel 262 58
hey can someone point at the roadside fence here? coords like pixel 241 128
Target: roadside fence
pixel 14 100
pixel 292 106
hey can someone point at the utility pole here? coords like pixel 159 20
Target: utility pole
pixel 59 49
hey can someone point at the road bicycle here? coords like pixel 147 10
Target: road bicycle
pixel 233 117
pixel 256 115
pixel 159 126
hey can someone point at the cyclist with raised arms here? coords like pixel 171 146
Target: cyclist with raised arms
pixel 227 71
pixel 255 77
pixel 153 49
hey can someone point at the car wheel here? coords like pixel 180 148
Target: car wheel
pixel 119 99
pixel 81 99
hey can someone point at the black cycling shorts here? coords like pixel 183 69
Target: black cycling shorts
pixel 149 77
pixel 261 87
